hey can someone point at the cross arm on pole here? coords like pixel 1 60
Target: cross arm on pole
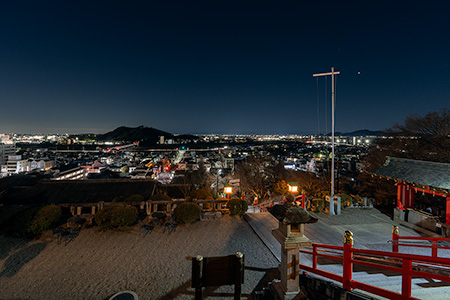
pixel 326 74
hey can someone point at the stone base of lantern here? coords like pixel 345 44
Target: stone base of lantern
pixel 289 267
pixel 277 291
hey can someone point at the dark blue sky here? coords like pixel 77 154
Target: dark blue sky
pixel 219 66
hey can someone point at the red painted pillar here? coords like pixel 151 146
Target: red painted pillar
pixel 347 263
pixel 411 196
pixel 303 201
pixel 447 210
pixel 400 196
pixel 407 196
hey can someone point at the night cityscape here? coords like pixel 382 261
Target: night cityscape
pixel 206 150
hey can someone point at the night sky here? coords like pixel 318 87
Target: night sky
pixel 220 66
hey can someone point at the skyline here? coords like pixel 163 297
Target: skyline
pixel 81 67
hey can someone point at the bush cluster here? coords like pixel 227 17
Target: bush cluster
pixel 187 212
pixel 115 216
pixel 318 204
pixel 237 206
pixel 33 221
pixel 201 194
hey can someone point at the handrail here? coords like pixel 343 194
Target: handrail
pixel 407 265
pixel 425 238
pixel 434 242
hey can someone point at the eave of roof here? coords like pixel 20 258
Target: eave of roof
pixel 420 172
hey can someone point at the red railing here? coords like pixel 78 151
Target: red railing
pixel 407 265
pixel 417 242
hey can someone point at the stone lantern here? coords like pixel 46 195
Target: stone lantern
pixel 290 234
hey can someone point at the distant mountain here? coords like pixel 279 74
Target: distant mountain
pixel 145 135
pixel 363 132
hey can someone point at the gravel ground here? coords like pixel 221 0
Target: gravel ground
pixel 158 266
pixel 355 216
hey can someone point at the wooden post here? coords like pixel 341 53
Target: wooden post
pixel 447 210
pixel 347 261
pixel 411 197
pixel 239 279
pixel 197 276
pixel 148 208
pixel 400 195
pixel 395 235
pixel 314 261
pixel 434 248
pixel 406 278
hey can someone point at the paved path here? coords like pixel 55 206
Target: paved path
pixel 371 230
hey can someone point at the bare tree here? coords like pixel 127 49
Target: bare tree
pixel 311 184
pixel 257 174
pixel 421 138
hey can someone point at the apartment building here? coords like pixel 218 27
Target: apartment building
pixel 5 151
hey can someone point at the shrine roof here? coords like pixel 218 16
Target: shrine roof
pixel 421 172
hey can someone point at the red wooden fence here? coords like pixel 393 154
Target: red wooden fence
pixel 407 265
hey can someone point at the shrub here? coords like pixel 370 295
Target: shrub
pixel 135 198
pixel 43 219
pixel 187 212
pixel 345 199
pixel 114 216
pixel 118 199
pixel 237 206
pixel 318 204
pixel 160 197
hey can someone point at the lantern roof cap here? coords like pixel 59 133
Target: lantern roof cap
pixel 290 213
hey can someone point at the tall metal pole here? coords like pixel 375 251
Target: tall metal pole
pixel 332 132
pixel 332 73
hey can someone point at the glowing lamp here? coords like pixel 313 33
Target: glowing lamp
pixel 293 187
pixel 228 189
